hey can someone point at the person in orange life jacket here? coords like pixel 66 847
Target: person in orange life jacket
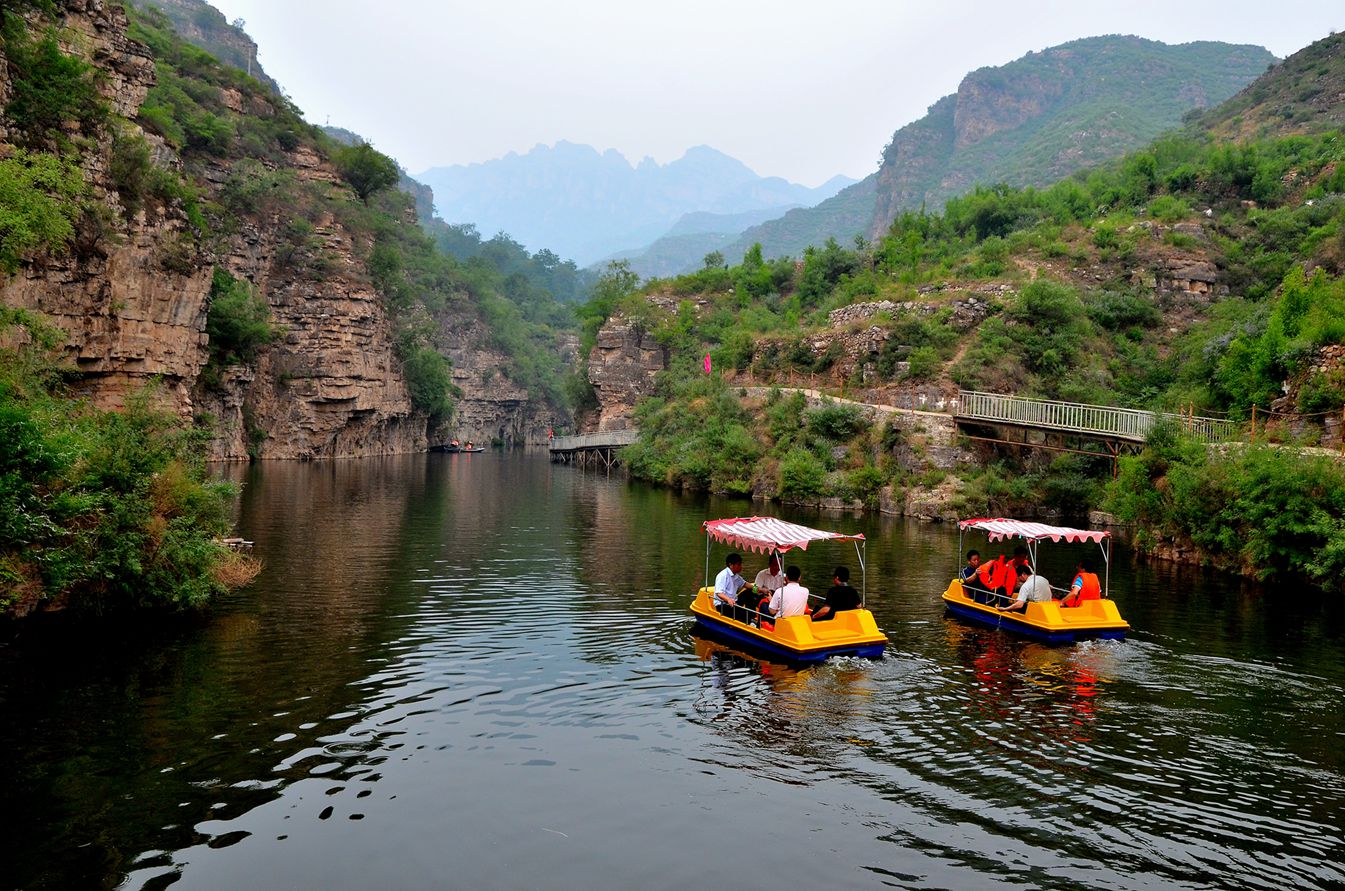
pixel 970 583
pixel 792 599
pixel 839 597
pixel 1084 587
pixel 998 578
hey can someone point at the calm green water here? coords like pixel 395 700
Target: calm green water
pixel 478 672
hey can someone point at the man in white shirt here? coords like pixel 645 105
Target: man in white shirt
pixel 770 579
pixel 792 599
pixel 1031 588
pixel 728 585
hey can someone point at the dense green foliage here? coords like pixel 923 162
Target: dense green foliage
pixel 100 510
pixel 1083 318
pixel 239 321
pixel 47 88
pixel 366 169
pixel 1266 510
pixel 39 205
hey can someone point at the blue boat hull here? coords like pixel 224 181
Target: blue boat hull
pixel 726 632
pixel 1009 623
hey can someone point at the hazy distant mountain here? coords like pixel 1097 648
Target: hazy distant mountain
pixel 586 205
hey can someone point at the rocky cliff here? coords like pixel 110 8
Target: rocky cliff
pixel 621 369
pixel 133 294
pixel 132 307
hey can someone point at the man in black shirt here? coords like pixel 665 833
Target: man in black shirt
pixel 839 597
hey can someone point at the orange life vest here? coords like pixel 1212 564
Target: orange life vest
pixel 1088 590
pixel 998 573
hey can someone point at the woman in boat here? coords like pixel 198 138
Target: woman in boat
pixel 768 581
pixel 971 585
pixel 1084 587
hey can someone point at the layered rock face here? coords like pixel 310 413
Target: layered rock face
pixel 330 386
pixel 131 303
pixel 492 407
pixel 622 368
pixel 133 295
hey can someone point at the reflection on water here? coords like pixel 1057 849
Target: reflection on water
pixel 479 670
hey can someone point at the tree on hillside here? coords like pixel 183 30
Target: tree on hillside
pixel 366 169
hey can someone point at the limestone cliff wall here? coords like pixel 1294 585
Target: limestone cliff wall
pixel 132 306
pixel 330 386
pixel 133 298
pixel 621 369
pixel 492 408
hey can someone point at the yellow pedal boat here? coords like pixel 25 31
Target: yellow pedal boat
pixel 1049 622
pixel 791 638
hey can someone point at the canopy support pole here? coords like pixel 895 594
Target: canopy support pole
pixel 863 574
pixel 707 559
pixel 1106 559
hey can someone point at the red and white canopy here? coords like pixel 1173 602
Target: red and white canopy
pixel 767 533
pixel 1001 528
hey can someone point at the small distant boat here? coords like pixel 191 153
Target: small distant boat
pixel 792 638
pixel 446 448
pixel 472 449
pixel 1048 622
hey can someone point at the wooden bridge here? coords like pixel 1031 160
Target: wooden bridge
pixel 592 449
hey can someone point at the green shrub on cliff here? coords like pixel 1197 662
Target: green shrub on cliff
pixel 39 205
pixel 366 169
pixel 99 510
pixel 47 88
pixel 239 321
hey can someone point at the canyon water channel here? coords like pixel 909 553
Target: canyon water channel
pixel 478 671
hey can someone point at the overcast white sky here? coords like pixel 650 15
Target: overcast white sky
pixel 802 91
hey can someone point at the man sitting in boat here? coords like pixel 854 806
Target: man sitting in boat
pixel 995 581
pixel 839 597
pixel 770 579
pixel 1084 587
pixel 728 585
pixel 971 585
pixel 792 599
pixel 1031 589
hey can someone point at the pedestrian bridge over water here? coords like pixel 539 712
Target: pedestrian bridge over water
pixel 1105 422
pixel 597 449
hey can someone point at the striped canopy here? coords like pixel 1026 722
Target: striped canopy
pixel 769 534
pixel 1001 528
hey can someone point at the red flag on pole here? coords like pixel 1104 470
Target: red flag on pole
pixel 707 363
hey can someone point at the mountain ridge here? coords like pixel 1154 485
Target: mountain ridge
pixel 587 204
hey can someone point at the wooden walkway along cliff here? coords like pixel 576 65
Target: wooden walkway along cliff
pixel 592 449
